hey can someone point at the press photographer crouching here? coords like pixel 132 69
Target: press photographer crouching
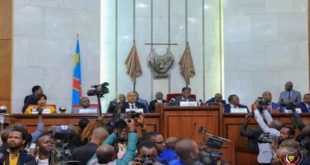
pixel 271 129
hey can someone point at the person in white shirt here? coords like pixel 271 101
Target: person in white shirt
pixel 44 145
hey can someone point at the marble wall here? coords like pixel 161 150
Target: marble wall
pixel 256 46
pixel 265 45
pixel 44 46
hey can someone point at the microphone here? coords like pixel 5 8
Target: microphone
pixel 200 102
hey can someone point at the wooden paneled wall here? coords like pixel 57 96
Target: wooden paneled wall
pixel 6 51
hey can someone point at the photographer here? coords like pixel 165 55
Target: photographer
pixel 252 134
pixel 147 154
pixel 106 154
pixel 270 129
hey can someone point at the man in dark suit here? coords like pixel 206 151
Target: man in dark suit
pixel 31 99
pixel 117 106
pixel 186 92
pixel 218 98
pixel 305 105
pixel 252 134
pixel 289 95
pixel 132 102
pixel 233 103
pixel 159 99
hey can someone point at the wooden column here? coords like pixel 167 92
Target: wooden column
pixel 6 52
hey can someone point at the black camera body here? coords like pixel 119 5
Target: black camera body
pixel 146 160
pixel 99 90
pixel 133 114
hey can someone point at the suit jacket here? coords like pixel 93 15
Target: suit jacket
pixel 227 107
pixel 138 105
pixel 152 105
pixel 23 159
pixel 145 103
pixel 29 100
pixel 178 99
pixel 211 101
pixel 303 107
pixel 113 105
pixel 295 97
pixel 252 135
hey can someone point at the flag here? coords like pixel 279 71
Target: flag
pixel 187 65
pixel 77 88
pixel 133 64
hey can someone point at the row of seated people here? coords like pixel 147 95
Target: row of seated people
pixel 38 99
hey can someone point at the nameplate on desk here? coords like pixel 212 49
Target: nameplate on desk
pixel 87 110
pixel 137 110
pixel 298 110
pixel 188 104
pixel 44 111
pixel 238 110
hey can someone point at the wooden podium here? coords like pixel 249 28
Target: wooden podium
pixel 185 122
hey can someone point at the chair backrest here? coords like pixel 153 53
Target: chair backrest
pixel 77 105
pixel 173 95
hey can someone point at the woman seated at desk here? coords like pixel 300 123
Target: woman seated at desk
pixel 40 104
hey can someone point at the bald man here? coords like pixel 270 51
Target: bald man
pixel 289 95
pixel 85 152
pixel 188 152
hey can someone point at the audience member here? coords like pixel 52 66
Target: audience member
pixel 158 99
pixel 233 103
pixel 40 106
pixel 218 98
pixel 117 105
pixel 84 104
pixel 252 134
pixel 289 95
pixel 132 102
pixel 144 102
pixel 272 106
pixel 32 99
pixel 286 133
pixel 15 153
pixel 106 154
pixel 186 93
pixel 44 146
pixel 188 152
pixel 85 152
pixel 164 155
pixel 305 105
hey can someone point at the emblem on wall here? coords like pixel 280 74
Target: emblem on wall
pixel 160 64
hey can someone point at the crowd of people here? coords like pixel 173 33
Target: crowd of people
pixel 124 138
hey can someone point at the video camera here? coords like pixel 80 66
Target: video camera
pixel 99 90
pixel 266 138
pixel 212 153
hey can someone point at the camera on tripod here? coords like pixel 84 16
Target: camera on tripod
pixel 98 90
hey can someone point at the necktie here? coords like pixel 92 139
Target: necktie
pixel 308 108
pixel 289 95
pixel 132 106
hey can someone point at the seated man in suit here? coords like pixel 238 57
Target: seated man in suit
pixel 84 104
pixel 31 99
pixel 233 103
pixel 40 105
pixel 117 105
pixel 305 105
pixel 186 92
pixel 272 107
pixel 289 95
pixel 159 99
pixel 132 102
pixel 218 98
